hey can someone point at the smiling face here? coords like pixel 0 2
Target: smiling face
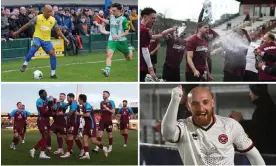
pixel 201 104
pixel 204 30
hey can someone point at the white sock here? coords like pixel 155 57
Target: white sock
pixel 86 153
pixel 42 153
pixel 110 146
pixel 33 149
pixel 53 72
pixel 26 63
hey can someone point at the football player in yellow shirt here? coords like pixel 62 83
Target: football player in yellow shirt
pixel 43 24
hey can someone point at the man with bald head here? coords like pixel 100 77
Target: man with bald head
pixel 43 24
pixel 205 138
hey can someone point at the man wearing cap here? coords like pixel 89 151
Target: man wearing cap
pixel 261 128
pixel 59 16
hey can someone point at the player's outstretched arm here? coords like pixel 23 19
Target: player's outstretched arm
pixel 169 129
pixel 255 157
pixel 168 31
pixel 103 20
pixel 102 29
pixel 157 36
pixel 22 29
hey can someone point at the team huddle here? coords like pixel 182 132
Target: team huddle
pixel 67 125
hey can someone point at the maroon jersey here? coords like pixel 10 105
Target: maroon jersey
pixel 60 119
pixel 44 112
pixel 106 116
pixel 87 108
pixel 74 119
pixel 153 45
pixel 200 49
pixel 125 113
pixel 175 52
pixel 270 49
pixel 19 118
pixel 144 43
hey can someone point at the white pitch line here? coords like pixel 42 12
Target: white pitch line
pixel 80 63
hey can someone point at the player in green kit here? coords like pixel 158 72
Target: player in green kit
pixel 119 29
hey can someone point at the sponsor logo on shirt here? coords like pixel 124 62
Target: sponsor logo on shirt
pixel 44 28
pixel 270 48
pixel 178 47
pixel 202 48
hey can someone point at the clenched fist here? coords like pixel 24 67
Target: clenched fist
pixel 177 93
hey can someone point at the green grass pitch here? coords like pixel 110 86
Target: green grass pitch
pixel 119 156
pixel 81 68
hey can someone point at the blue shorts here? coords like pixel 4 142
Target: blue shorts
pixel 46 45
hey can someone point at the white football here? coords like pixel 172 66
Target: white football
pixel 38 74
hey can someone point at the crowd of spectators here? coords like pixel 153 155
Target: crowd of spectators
pixel 77 21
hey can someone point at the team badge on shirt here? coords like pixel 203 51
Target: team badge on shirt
pixel 223 138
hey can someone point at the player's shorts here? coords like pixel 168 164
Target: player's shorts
pixel 73 129
pixel 58 129
pixel 171 74
pixel 153 59
pixel 43 127
pixel 122 46
pixel 89 130
pixel 123 126
pixel 19 130
pixel 46 45
pixel 107 126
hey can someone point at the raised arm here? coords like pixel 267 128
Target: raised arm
pixel 169 129
pixel 168 31
pixel 102 19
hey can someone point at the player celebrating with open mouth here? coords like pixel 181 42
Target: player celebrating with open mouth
pixel 197 52
pixel 205 138
pixel 43 25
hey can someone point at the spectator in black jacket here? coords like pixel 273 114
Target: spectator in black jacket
pixel 4 24
pixel 30 31
pixel 261 128
pixel 23 19
pixel 16 12
pixel 14 23
pixel 82 26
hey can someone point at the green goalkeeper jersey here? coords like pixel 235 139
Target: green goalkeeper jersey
pixel 117 26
